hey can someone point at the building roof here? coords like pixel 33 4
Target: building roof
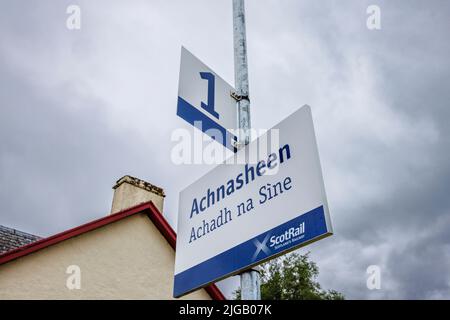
pixel 148 208
pixel 11 239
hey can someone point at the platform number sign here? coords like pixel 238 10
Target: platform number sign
pixel 205 101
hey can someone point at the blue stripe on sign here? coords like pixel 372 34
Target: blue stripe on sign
pixel 191 114
pixel 252 251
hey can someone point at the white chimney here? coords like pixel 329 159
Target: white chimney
pixel 130 191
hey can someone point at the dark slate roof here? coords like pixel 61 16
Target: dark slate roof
pixel 11 239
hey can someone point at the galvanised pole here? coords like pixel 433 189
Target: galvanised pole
pixel 241 71
pixel 250 279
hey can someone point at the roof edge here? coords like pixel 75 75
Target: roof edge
pixel 148 207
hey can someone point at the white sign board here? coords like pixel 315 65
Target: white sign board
pixel 204 100
pixel 239 215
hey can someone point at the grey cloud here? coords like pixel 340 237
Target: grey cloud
pixel 80 109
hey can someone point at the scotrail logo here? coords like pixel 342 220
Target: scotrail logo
pixel 290 235
pixel 261 246
pixel 276 242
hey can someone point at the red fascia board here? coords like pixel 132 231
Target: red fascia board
pixel 162 225
pixel 149 208
pixel 45 242
pixel 214 292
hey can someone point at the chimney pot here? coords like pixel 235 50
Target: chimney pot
pixel 130 191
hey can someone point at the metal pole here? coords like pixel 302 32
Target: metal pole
pixel 250 279
pixel 241 71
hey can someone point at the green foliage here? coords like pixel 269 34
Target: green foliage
pixel 292 277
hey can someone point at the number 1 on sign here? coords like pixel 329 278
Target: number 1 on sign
pixel 209 106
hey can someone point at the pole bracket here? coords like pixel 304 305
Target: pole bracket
pixel 238 98
pixel 238 144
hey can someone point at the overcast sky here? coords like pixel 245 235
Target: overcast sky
pixel 81 108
